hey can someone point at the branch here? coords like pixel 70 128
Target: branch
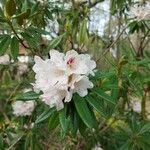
pixel 95 3
pixel 112 44
pixel 19 39
pixel 14 31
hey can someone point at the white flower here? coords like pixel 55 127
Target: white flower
pixel 97 147
pixel 80 84
pixel 23 59
pixel 4 60
pixel 136 105
pixel 54 96
pixel 79 63
pixel 62 75
pixel 21 108
pixel 48 73
pixel 141 12
pixel 22 68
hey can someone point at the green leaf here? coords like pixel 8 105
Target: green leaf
pixel 1 142
pixel 46 114
pixel 83 111
pixel 10 7
pixel 7 80
pixel 133 26
pixel 96 104
pixel 103 95
pixel 142 62
pixel 145 128
pixel 113 7
pixel 55 42
pixel 37 30
pixel 115 90
pixel 21 17
pixel 28 96
pixel 63 120
pixel 14 47
pixel 30 40
pixel 34 8
pixel 15 140
pixel 83 34
pixel 75 118
pixel 53 121
pixel 24 6
pixel 24 15
pixel 2 20
pixel 4 44
pixel 82 127
pixel 126 146
pixel 100 75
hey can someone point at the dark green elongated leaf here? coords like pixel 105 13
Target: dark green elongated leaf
pixel 4 44
pixel 7 80
pixel 2 13
pixel 96 104
pixel 14 47
pixel 94 117
pixel 55 41
pixel 63 120
pixel 23 15
pixel 27 141
pixel 139 92
pixel 83 111
pixel 126 146
pixel 143 145
pixel 45 115
pixel 82 127
pixel 1 142
pixel 30 40
pixel 33 35
pixel 115 90
pixel 10 7
pixel 2 20
pixel 145 128
pixel 28 96
pixel 49 14
pixel 37 30
pixel 24 6
pixel 100 75
pixel 103 95
pixel 142 62
pixel 15 140
pixel 34 7
pixel 113 7
pixel 53 121
pixel 74 123
pixel 83 36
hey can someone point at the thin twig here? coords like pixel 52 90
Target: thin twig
pixel 12 93
pixel 112 44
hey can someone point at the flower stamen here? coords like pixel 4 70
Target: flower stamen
pixel 71 61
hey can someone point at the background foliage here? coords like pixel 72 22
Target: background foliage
pixel 108 116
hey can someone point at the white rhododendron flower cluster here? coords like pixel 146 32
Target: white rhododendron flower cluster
pixel 5 59
pixel 21 108
pixel 62 75
pixel 141 12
